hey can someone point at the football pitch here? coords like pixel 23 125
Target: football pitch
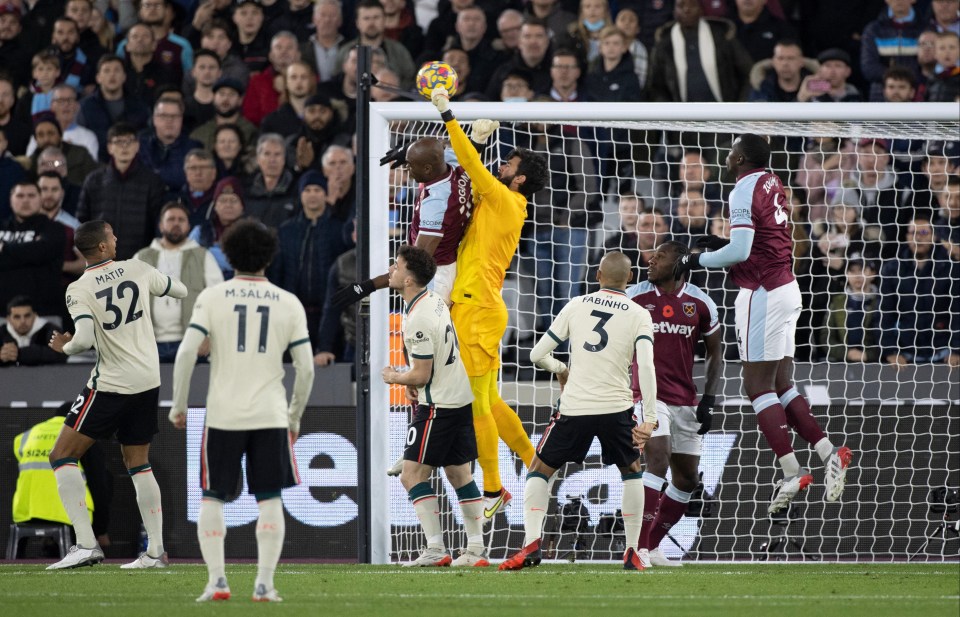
pixel 742 590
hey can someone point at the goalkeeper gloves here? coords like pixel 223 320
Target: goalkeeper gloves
pixel 712 242
pixel 686 264
pixel 705 413
pixel 482 130
pixel 396 157
pixel 345 296
pixel 440 99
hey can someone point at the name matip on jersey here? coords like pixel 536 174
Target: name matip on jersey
pixel 442 209
pixel 251 323
pixel 428 334
pixel 603 329
pixel 116 296
pixel 680 318
pixel 758 202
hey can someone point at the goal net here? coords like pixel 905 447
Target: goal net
pixel 867 184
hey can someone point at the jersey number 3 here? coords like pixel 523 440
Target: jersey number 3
pixel 132 313
pixel 603 318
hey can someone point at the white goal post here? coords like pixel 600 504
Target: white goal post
pixel 897 519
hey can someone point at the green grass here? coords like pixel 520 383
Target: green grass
pixel 743 590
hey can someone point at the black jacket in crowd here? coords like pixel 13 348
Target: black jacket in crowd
pixel 31 260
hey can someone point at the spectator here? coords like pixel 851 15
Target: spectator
pixel 515 88
pixel 344 85
pixel 179 257
pixel 172 52
pixel 253 42
pixel 17 134
pixel 322 126
pixel 532 55
pixel 386 77
pixel 45 67
pixel 899 85
pixel 300 83
pixel 696 175
pixel 338 168
pixel 14 46
pixel 550 11
pixel 24 338
pixel 681 71
pixel 52 194
pixel 196 196
pixel 321 51
pixel 31 252
pixel 920 302
pixel 227 209
pixel 144 75
pixel 227 107
pixel 65 108
pixel 262 97
pixel 198 100
pixel 778 80
pixel 74 64
pixel 471 37
pixel 936 169
pixel 295 18
pixel 852 333
pixel 874 190
pixel 400 25
pixel 927 56
pixel 164 148
pixel 624 240
pixel 565 77
pixel 629 23
pixel 444 24
pixel 460 61
pixel 47 132
pixel 947 221
pixel 945 16
pixel 125 192
pixel 945 87
pixel 81 12
pixel 370 26
pixel 611 78
pixel 52 159
pixel 109 104
pixel 829 84
pixel 230 151
pixel 310 242
pixel 583 34
pixel 757 28
pixel 692 217
pixel 889 40
pixel 11 172
pixel 206 14
pixel 509 25
pixel 216 37
pixel 270 195
pixel 338 327
pixel 651 14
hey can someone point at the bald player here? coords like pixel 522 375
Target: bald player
pixel 606 331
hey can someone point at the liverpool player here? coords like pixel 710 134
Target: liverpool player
pixel 760 257
pixel 682 314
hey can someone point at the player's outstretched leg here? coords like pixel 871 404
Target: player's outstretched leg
pixel 211 532
pixel 536 498
pixel 632 510
pixel 73 492
pixel 271 527
pixel 151 511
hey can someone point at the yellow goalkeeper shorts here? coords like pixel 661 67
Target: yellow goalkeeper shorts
pixel 479 330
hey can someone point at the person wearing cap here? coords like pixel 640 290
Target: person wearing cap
pixel 227 208
pixel 829 84
pixel 310 242
pixel 47 132
pixel 110 103
pixel 14 45
pixel 891 39
pixel 253 44
pixel 322 126
pixel 301 83
pixel 227 107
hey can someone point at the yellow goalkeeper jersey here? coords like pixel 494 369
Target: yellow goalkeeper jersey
pixel 491 239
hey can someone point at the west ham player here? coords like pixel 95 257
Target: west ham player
pixel 110 305
pixel 251 323
pixel 606 331
pixel 760 257
pixel 682 314
pixel 441 430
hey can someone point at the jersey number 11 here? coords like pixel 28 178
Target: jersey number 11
pixel 264 311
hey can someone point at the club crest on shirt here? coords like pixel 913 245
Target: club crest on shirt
pixel 419 335
pixel 689 309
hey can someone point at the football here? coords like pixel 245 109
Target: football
pixel 435 74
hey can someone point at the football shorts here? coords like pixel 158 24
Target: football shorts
pixel 766 322
pixel 271 466
pixel 442 283
pixel 133 417
pixel 567 439
pixel 441 436
pixel 679 423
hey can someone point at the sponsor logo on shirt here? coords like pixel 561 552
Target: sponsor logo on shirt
pixel 665 327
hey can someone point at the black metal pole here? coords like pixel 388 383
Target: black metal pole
pixel 362 359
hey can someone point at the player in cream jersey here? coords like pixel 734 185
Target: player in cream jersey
pixel 441 431
pixel 250 323
pixel 606 331
pixel 110 306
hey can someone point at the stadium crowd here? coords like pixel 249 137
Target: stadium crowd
pixel 174 119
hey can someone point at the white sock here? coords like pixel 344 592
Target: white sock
pixel 824 448
pixel 73 494
pixel 211 532
pixel 148 499
pixel 271 527
pixel 790 465
pixel 632 509
pixel 428 513
pixel 473 524
pixel 536 498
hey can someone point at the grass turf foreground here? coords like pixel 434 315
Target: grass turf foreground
pixel 742 590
